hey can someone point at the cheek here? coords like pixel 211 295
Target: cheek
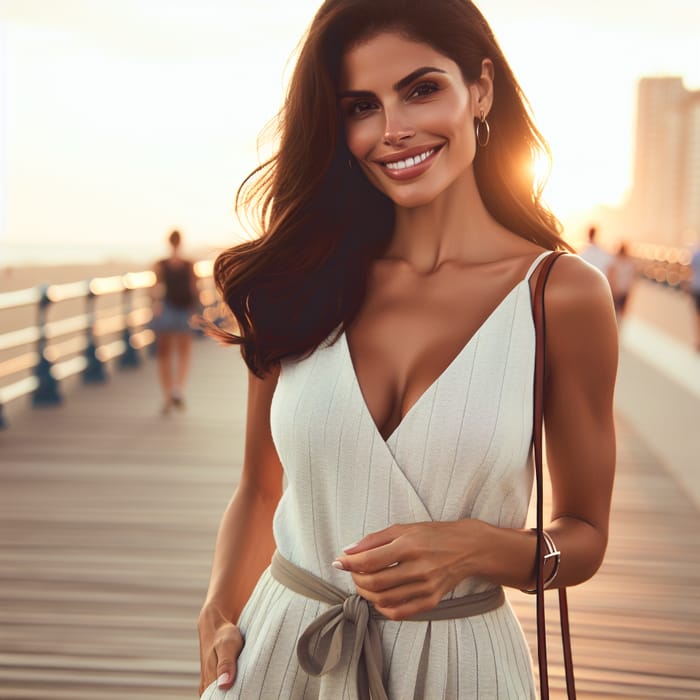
pixel 456 121
pixel 360 137
pixel 462 139
pixel 466 137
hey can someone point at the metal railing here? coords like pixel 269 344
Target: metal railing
pixel 112 325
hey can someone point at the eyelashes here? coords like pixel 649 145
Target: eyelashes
pixel 364 106
pixel 360 107
pixel 424 89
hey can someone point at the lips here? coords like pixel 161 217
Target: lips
pixel 409 163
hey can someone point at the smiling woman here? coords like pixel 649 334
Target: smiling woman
pixel 385 316
pixel 311 173
pixel 381 123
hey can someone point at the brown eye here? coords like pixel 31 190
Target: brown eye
pixel 360 108
pixel 424 89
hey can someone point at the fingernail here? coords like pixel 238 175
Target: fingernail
pixel 337 564
pixel 223 679
pixel 350 546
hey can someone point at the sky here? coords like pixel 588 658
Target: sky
pixel 123 119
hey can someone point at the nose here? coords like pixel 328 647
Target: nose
pixel 396 130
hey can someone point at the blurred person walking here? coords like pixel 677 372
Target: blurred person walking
pixel 622 274
pixel 174 302
pixel 595 255
pixel 695 291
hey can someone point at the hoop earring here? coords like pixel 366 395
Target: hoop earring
pixel 483 131
pixel 350 163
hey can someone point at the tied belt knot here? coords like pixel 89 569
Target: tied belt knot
pixel 356 608
pixel 320 647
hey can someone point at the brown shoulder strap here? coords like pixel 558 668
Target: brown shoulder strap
pixel 538 417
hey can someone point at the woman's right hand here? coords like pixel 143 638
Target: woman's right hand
pixel 220 643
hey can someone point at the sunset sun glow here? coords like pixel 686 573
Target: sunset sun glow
pixel 126 118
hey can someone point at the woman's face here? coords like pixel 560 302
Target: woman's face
pixel 409 117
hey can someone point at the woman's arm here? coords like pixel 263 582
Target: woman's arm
pixel 194 284
pixel 579 427
pixel 579 420
pixel 581 366
pixel 244 544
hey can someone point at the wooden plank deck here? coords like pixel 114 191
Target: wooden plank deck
pixel 107 519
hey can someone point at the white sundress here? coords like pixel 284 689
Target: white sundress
pixel 462 451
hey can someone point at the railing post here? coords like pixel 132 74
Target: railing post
pixel 46 394
pixel 94 372
pixel 130 356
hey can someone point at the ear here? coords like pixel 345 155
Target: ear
pixel 482 89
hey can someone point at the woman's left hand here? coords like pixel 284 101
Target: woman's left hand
pixel 406 569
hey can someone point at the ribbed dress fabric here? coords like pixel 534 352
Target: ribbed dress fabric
pixel 461 451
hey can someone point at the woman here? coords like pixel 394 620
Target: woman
pixel 385 318
pixel 622 274
pixel 175 300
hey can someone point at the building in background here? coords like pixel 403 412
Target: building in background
pixel 664 204
pixel 3 130
pixel 690 203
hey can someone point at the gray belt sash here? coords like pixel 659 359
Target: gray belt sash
pixel 320 646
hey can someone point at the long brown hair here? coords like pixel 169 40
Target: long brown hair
pixel 321 222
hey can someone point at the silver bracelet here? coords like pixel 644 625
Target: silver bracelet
pixel 552 551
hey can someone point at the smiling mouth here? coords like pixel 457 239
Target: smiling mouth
pixel 409 162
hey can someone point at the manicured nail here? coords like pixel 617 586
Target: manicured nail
pixel 350 546
pixel 337 564
pixel 223 679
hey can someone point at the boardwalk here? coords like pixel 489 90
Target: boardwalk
pixel 107 521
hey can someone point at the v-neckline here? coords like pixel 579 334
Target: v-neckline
pixel 432 384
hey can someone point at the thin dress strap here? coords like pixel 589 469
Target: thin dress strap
pixel 537 261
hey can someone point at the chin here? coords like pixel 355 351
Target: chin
pixel 411 195
pixel 411 200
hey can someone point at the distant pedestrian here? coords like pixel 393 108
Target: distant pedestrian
pixel 622 274
pixel 175 300
pixel 595 255
pixel 695 291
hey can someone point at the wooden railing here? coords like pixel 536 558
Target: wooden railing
pixel 112 325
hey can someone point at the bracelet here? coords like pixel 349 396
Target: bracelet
pixel 552 551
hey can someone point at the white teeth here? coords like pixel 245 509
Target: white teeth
pixel 409 162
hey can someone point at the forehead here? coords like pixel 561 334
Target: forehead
pixel 387 57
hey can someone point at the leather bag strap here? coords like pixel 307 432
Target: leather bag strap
pixel 538 418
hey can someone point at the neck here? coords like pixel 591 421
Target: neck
pixel 455 227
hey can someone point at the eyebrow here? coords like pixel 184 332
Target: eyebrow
pixel 398 86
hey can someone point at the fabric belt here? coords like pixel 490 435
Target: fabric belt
pixel 320 646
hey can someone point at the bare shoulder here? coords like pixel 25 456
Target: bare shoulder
pixel 575 287
pixel 581 325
